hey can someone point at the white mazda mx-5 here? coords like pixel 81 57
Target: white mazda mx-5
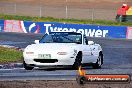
pixel 63 49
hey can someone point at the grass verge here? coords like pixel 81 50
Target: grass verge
pixel 77 21
pixel 8 55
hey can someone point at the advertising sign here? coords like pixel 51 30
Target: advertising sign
pixel 89 30
pixel 46 27
pixel 1 25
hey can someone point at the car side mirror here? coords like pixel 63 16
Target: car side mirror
pixel 90 43
pixel 36 41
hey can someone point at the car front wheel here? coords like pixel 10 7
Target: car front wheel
pixel 78 60
pixel 27 67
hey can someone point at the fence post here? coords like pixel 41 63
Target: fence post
pixel 40 11
pixel 66 10
pixel 120 18
pixel 15 8
pixel 93 14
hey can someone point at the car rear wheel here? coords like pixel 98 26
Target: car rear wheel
pixel 99 62
pixel 27 67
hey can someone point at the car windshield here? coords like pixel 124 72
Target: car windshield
pixel 62 38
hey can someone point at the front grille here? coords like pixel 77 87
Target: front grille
pixel 46 60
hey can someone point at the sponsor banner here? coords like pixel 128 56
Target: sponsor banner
pixel 1 25
pixel 129 33
pixel 32 27
pixel 89 30
pixel 46 27
pixel 12 26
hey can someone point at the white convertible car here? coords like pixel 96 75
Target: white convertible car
pixel 63 49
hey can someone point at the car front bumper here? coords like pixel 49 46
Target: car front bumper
pixel 58 60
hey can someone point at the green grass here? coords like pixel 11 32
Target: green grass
pixel 10 55
pixel 74 21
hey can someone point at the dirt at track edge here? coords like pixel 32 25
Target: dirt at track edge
pixel 57 84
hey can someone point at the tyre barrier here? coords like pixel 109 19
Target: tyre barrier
pixel 11 66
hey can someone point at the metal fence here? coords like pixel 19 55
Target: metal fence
pixel 57 11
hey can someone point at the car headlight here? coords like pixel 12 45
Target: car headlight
pixel 62 53
pixel 29 52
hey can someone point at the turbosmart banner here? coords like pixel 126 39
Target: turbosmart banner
pixel 46 27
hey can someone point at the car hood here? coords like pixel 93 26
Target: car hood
pixel 50 47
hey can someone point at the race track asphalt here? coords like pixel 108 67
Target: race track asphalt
pixel 117 59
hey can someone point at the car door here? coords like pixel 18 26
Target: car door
pixel 94 51
pixel 87 52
